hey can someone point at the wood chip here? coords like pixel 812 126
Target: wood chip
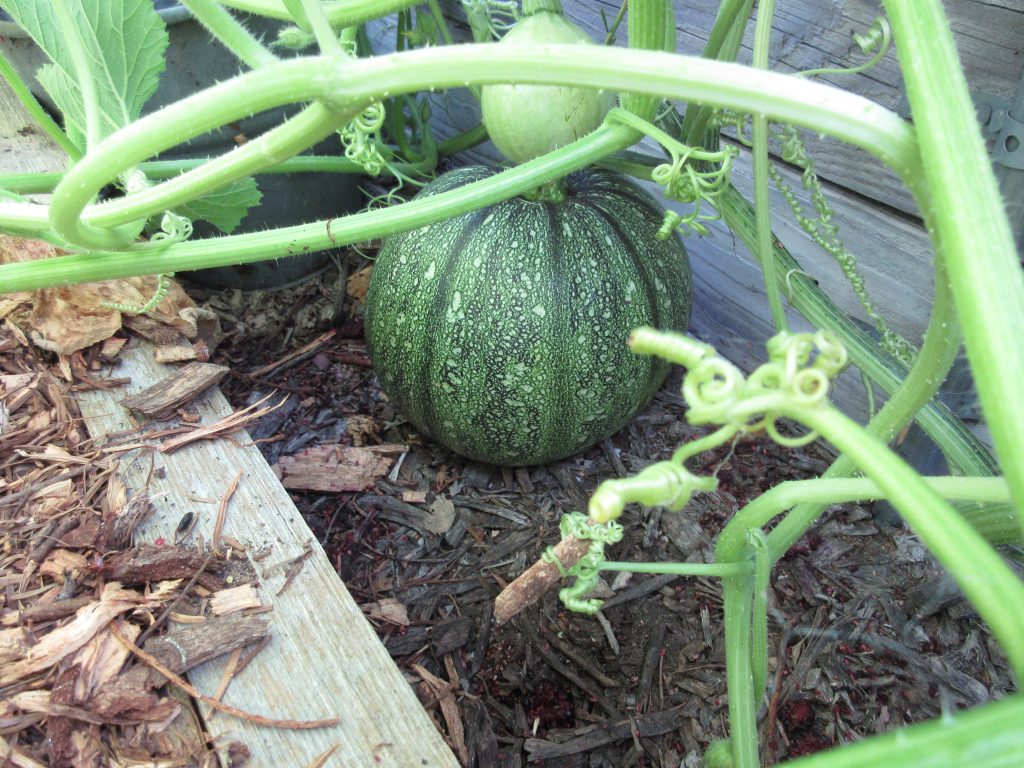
pixel 529 587
pixel 336 468
pixel 112 347
pixel 387 609
pixel 163 399
pixel 435 688
pixel 175 353
pixel 64 641
pixel 235 599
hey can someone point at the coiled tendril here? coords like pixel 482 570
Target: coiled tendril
pixel 585 569
pixel 694 176
pixel 361 139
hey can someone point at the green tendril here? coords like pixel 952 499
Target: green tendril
pixel 585 570
pixel 874 42
pixel 163 286
pixel 361 139
pixel 665 484
pixel 173 229
pixel 799 371
pixel 490 19
pixel 694 177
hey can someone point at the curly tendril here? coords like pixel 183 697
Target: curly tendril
pixel 361 139
pixel 694 176
pixel 163 286
pixel 874 42
pixel 585 570
pixel 799 372
pixel 173 229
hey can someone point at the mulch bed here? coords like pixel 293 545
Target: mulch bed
pixel 866 633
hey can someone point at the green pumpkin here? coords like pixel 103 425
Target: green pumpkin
pixel 503 333
pixel 526 121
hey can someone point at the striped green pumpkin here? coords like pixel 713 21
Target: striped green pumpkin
pixel 503 333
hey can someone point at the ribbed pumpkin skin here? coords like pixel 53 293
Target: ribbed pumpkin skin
pixel 502 334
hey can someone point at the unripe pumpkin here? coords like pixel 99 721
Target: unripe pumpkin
pixel 527 121
pixel 503 333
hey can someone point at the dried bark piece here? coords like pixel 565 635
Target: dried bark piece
pixel 152 563
pixel 163 399
pixel 129 695
pixel 63 641
pixel 654 724
pixel 175 353
pixel 336 468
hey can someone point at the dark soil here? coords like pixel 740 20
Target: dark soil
pixel 866 634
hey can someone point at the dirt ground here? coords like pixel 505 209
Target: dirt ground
pixel 866 634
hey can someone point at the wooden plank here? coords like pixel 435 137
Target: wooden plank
pixel 325 659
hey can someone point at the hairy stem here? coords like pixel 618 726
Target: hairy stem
pixel 985 274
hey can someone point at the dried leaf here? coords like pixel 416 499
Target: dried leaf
pixel 441 516
pixel 358 283
pixel 362 429
pixel 70 318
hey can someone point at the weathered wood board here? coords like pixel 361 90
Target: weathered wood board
pixel 324 660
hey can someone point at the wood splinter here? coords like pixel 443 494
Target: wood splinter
pixel 531 585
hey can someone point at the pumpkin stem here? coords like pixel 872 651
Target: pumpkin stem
pixel 553 192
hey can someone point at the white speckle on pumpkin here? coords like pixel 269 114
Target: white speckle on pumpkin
pixel 539 311
pixel 431 271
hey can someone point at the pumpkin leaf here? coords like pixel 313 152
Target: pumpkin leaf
pixel 226 207
pixel 124 42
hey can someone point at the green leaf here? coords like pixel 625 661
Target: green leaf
pixel 226 207
pixel 124 41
